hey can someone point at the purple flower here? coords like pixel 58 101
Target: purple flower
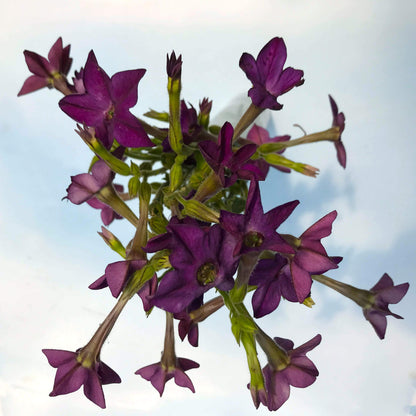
pixel 267 75
pixel 46 71
pixel 383 293
pixel 202 258
pixel 84 186
pixel 254 230
pixel 174 66
pixel 73 372
pixel 105 105
pixel 108 215
pixel 259 136
pixel 158 374
pixel 273 281
pixel 187 326
pixel 338 121
pixel 299 372
pixel 310 256
pixel 116 275
pixel 230 166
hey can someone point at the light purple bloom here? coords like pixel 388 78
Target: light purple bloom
pixel 72 373
pixel 338 121
pixel 300 372
pixel 267 75
pixel 45 70
pixel 108 215
pixel 85 185
pixel 158 374
pixel 106 103
pixel 384 293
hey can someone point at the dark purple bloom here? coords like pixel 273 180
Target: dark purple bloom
pixel 116 275
pixel 230 166
pixel 174 66
pixel 299 372
pixel 106 103
pixel 267 75
pixel 383 293
pixel 187 326
pixel 254 230
pixel 338 121
pixel 73 372
pixel 158 374
pixel 310 256
pixel 108 215
pixel 85 185
pixel 202 258
pixel 46 71
pixel 272 281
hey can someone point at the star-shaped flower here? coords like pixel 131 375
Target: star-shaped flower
pixel 338 121
pixel 202 258
pixel 255 230
pixel 159 375
pixel 46 71
pixel 383 293
pixel 310 256
pixel 72 373
pixel 230 166
pixel 299 372
pixel 106 103
pixel 267 75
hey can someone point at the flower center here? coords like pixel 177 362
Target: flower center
pixel 110 113
pixel 253 239
pixel 206 274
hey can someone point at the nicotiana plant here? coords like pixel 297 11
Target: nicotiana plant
pixel 199 225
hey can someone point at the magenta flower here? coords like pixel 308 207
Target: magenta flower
pixel 84 186
pixel 230 166
pixel 299 372
pixel 116 275
pixel 383 293
pixel 158 374
pixel 46 71
pixel 108 215
pixel 310 256
pixel 255 230
pixel 259 136
pixel 73 372
pixel 106 103
pixel 267 75
pixel 338 121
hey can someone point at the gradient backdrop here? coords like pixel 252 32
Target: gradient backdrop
pixel 361 52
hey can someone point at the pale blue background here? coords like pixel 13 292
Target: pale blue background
pixel 362 52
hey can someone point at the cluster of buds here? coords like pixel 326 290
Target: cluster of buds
pixel 217 247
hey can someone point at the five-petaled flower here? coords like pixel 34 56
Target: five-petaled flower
pixel 267 75
pixel 230 166
pixel 73 371
pixel 382 294
pixel 47 72
pixel 106 103
pixel 338 120
pixel 298 371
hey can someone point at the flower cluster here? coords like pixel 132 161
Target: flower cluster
pixel 217 238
